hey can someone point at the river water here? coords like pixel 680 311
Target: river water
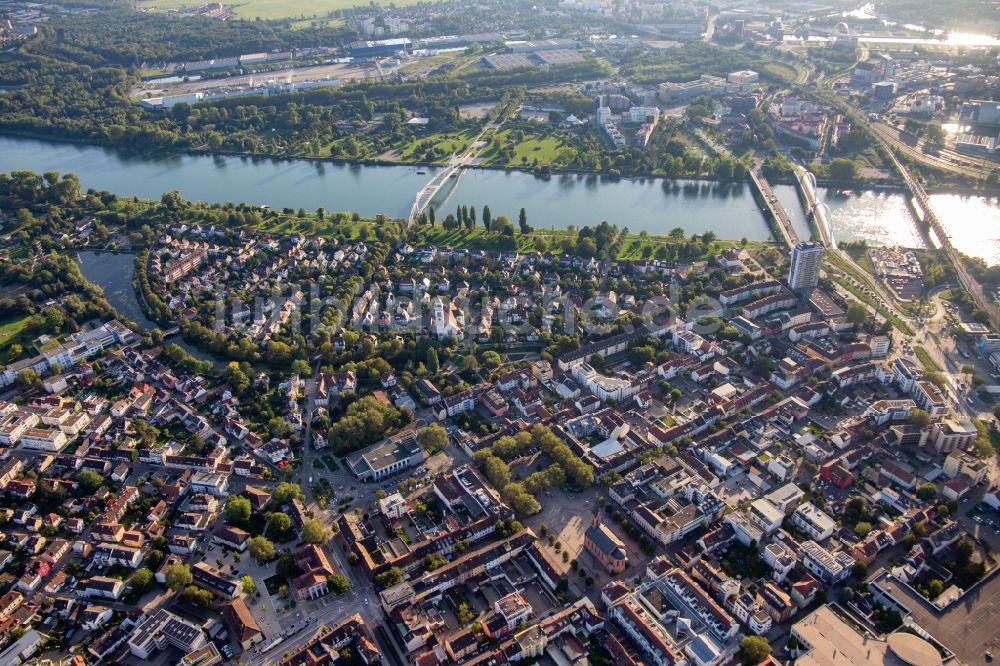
pixel 113 272
pixel 655 205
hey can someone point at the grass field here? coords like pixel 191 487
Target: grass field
pixel 275 9
pixel 546 150
pixel 541 146
pixel 12 331
pixel 449 142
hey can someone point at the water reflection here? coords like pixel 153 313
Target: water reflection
pixel 642 204
pixel 113 272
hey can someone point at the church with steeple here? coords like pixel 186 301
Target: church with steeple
pixel 605 546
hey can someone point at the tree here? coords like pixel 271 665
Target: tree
pixel 433 364
pixel 487 218
pixel 927 491
pixel 860 570
pixel 338 583
pixel 519 499
pixel 54 320
pixel 314 531
pixel 177 576
pixel 522 222
pixel 755 648
pixel 918 417
pixel 28 380
pixel 935 133
pixel 286 492
pixel 261 549
pixel 934 588
pixel 763 364
pixel 286 567
pixel 238 510
pixel 964 550
pixel 386 579
pixel 843 169
pixel 279 522
pixel 492 360
pixel 857 314
pixel 863 529
pixel 464 614
pixel 89 481
pixel 432 562
pixel 141 580
pixel 198 596
pixel 433 438
pixel 249 587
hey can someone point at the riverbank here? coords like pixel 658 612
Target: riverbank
pixel 556 201
pixel 545 172
pixel 114 272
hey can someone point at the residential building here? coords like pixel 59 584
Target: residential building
pixel 830 567
pixel 952 434
pixel 163 629
pixel 960 462
pixel 811 520
pixel 806 262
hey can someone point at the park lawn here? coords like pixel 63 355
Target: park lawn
pixel 12 331
pixel 479 239
pixel 544 146
pixel 449 142
pixel 632 248
pixel 488 155
pixel 274 9
pixel 545 149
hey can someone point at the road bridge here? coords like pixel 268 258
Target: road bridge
pixel 782 221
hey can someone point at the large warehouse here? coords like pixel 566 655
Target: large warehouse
pixel 383 47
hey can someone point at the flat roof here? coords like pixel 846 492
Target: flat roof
pixel 835 643
pixel 913 649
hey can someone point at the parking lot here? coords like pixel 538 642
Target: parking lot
pixel 968 628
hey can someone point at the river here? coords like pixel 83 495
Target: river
pixel 655 205
pixel 113 273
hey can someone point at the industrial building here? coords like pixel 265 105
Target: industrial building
pixel 383 47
